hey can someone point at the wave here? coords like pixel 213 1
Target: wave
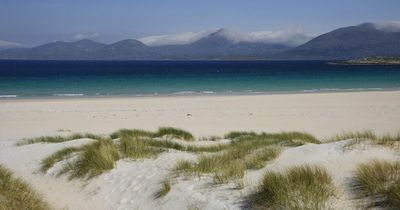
pixel 8 96
pixel 184 92
pixel 208 92
pixel 69 94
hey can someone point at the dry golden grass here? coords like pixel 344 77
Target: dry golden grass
pixel 301 187
pixel 16 194
pixel 379 182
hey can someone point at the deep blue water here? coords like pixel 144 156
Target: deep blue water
pixel 115 78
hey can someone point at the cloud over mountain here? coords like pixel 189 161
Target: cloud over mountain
pixel 291 37
pixel 81 36
pixel 389 26
pixel 7 44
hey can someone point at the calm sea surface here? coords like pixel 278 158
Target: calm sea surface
pixel 140 78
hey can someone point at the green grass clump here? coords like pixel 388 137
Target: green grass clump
pixel 300 187
pixel 131 132
pixel 292 136
pixel 379 180
pixel 183 166
pixel 246 151
pixel 59 139
pixel 388 140
pixel 60 155
pixel 239 134
pixel 234 171
pixel 360 135
pixel 175 133
pixel 296 137
pixel 17 194
pixel 164 190
pixel 138 148
pixel 93 160
pixel 259 159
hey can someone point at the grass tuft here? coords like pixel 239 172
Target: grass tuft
pixel 60 155
pixel 388 140
pixel 175 133
pixel 17 194
pixel 300 187
pixel 379 180
pixel 239 134
pixel 360 135
pixel 59 139
pixel 138 148
pixel 259 159
pixel 94 159
pixel 131 132
pixel 164 190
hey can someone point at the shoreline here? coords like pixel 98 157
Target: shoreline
pixel 199 94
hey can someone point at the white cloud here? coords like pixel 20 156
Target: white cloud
pixel 289 37
pixel 7 44
pixel 175 39
pixel 389 26
pixel 81 36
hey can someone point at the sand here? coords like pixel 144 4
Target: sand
pixel 321 114
pixel 132 184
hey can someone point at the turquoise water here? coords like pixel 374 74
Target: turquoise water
pixel 140 78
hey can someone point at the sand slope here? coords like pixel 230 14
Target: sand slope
pixel 132 184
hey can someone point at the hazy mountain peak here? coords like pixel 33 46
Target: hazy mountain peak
pixel 388 26
pixel 7 45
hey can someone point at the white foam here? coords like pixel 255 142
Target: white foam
pixel 69 94
pixel 8 96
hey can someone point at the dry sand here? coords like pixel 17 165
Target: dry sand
pixel 322 114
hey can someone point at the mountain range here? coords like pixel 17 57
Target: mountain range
pixel 344 43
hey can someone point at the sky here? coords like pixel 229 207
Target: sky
pixel 33 22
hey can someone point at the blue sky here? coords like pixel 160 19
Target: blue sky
pixel 33 22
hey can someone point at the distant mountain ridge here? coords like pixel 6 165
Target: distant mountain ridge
pixel 351 42
pixel 216 45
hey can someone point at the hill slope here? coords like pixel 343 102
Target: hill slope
pixel 349 42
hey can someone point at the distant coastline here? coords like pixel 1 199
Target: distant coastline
pixel 371 61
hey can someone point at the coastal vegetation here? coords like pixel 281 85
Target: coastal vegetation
pixel 391 140
pixel 379 182
pixel 227 160
pixel 300 187
pixel 17 194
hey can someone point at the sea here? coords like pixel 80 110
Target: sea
pixel 74 79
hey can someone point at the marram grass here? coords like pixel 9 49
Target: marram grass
pixel 16 194
pixel 228 162
pixel 59 139
pixel 60 155
pixel 138 148
pixel 391 140
pixel 93 160
pixel 301 187
pixel 379 182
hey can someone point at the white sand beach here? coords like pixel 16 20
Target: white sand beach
pixel 132 184
pixel 321 114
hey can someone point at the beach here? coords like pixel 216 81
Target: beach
pixel 322 114
pixel 131 184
